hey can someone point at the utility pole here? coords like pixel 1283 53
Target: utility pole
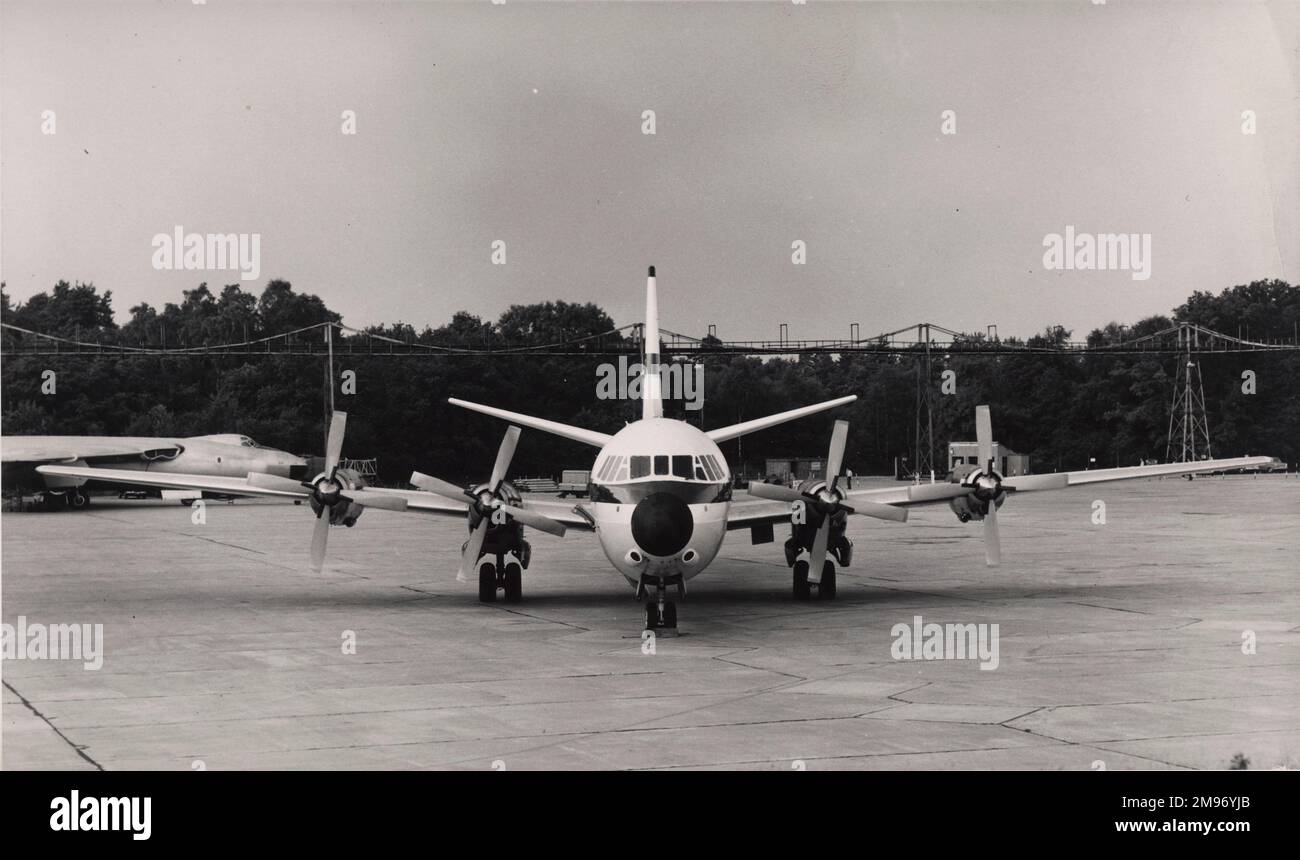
pixel 923 454
pixel 329 377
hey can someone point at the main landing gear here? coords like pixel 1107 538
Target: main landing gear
pixel 502 567
pixel 803 588
pixel 74 498
pixel 660 613
pixel 500 575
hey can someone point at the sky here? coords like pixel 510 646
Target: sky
pixel 774 122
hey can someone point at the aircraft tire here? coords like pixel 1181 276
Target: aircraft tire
pixel 827 589
pixel 514 583
pixel 487 582
pixel 802 591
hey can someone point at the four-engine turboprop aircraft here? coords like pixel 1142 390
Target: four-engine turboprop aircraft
pixel 660 497
pixel 221 454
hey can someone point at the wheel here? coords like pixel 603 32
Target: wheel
pixel 827 589
pixel 514 583
pixel 487 583
pixel 801 588
pixel 78 500
pixel 651 616
pixel 54 501
pixel 670 615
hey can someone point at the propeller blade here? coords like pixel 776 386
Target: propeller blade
pixel 877 511
pixel 446 489
pixel 334 445
pixel 505 454
pixel 835 458
pixel 817 557
pixel 319 538
pixel 992 543
pixel 935 492
pixel 775 492
pixel 532 519
pixel 275 482
pixel 984 435
pixel 469 558
pixel 1028 483
pixel 371 499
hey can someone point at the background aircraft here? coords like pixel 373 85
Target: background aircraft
pixel 222 454
pixel 660 499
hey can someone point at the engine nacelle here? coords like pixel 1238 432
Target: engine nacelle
pixel 506 493
pixel 970 507
pixel 343 512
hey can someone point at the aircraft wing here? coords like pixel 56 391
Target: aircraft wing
pixel 1124 473
pixel 744 514
pixel 572 515
pixel 756 512
pixel 922 494
pixel 567 513
pixel 171 481
pixel 416 500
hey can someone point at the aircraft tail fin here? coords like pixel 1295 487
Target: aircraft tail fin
pixel 652 395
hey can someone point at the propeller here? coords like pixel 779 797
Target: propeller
pixel 328 490
pixel 992 485
pixel 828 501
pixel 487 500
pixel 986 484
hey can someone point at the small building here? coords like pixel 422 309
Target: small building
pixel 795 468
pixel 964 457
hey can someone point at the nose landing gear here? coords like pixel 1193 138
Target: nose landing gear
pixel 660 613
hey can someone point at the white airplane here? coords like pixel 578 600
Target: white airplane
pixel 660 498
pixel 220 454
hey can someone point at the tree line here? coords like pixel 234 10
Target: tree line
pixel 1062 411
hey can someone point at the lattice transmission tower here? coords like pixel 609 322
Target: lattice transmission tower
pixel 1189 426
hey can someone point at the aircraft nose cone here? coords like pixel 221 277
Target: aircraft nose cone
pixel 662 524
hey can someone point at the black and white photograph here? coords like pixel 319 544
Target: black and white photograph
pixel 503 386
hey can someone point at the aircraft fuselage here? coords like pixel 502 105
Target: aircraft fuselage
pixel 660 492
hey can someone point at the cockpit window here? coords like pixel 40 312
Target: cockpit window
pixel 690 467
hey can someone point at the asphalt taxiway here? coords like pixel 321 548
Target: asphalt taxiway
pixel 1121 645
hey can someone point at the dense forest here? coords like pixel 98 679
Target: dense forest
pixel 1059 410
